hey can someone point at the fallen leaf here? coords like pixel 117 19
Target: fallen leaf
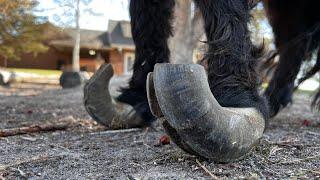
pixel 28 138
pixel 164 140
pixel 306 123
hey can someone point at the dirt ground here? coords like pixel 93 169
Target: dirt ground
pixel 290 148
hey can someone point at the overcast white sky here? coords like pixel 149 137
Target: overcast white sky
pixel 109 9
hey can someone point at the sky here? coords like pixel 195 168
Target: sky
pixel 107 9
pixel 103 10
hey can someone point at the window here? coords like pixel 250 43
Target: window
pixel 128 63
pixel 92 52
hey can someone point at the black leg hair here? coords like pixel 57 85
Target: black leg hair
pixel 281 86
pixel 232 59
pixel 297 33
pixel 151 28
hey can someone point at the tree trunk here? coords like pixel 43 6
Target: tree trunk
pixel 187 31
pixel 76 48
pixel 5 61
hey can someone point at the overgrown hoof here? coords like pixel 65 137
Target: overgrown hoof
pixel 102 108
pixel 181 97
pixel 156 111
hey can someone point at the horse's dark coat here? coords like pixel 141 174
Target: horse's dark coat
pixel 232 58
pixel 296 27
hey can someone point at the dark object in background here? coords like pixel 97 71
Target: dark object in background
pixel 70 79
pixel 1 80
pixel 6 77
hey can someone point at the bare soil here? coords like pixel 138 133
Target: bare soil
pixel 290 147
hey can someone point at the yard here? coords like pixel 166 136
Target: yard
pixel 290 147
pixel 40 72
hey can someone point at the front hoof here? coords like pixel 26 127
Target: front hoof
pixel 196 121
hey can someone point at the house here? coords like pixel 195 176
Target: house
pixel 113 46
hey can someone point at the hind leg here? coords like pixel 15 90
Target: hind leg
pixel 280 89
pixel 289 21
pixel 151 28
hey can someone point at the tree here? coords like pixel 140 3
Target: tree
pixel 260 29
pixel 76 49
pixel 71 15
pixel 188 29
pixel 20 31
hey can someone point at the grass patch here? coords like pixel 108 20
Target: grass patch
pixel 41 72
pixel 306 92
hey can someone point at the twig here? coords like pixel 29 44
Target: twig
pixel 145 132
pixel 313 133
pixel 1 138
pixel 116 139
pixel 312 171
pixel 290 145
pixel 299 160
pixel 130 177
pixel 33 129
pixel 274 150
pixel 23 174
pixel 207 171
pixel 116 131
pixel 287 143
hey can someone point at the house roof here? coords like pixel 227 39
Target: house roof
pixel 117 36
pixel 90 39
pixel 120 34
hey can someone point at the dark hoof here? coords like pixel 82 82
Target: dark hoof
pixel 156 111
pixel 194 119
pixel 102 108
